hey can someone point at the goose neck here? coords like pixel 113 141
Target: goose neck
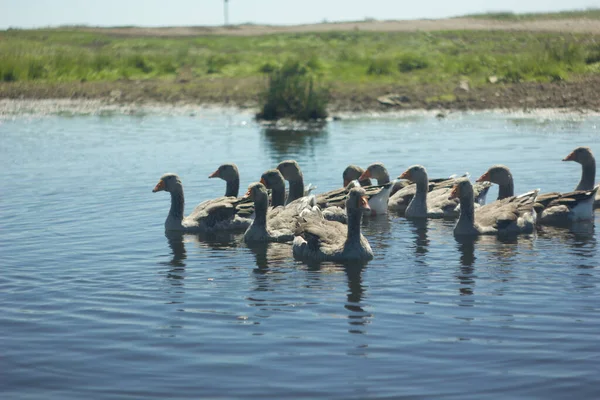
pixel 233 187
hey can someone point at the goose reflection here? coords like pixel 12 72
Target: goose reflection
pixel 465 276
pixel 419 228
pixel 377 228
pixel 579 239
pixel 286 143
pixel 266 255
pixel 178 256
pixel 358 318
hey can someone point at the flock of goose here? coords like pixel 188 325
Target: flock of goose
pixel 326 227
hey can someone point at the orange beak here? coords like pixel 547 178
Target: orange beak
pixel 570 157
pixel 159 186
pixel 454 193
pixel 364 175
pixel 214 174
pixel 262 180
pixel 364 203
pixel 484 178
pixel 247 194
pixel 405 175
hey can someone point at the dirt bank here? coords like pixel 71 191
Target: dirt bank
pixel 244 93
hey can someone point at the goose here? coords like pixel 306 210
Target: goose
pixel 229 173
pixel 584 156
pixel 377 196
pixel 379 172
pixel 511 215
pixel 560 209
pixel 277 224
pixel 354 172
pixel 553 208
pixel 273 180
pixel 425 203
pixel 321 240
pixel 403 191
pixel 220 214
pixel 290 169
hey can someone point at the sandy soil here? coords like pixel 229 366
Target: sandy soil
pixel 563 25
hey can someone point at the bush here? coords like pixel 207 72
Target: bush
pixel 381 66
pixel 292 93
pixel 411 62
pixel 565 52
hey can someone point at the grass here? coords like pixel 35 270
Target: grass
pixel 337 58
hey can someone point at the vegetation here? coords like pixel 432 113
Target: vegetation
pixel 353 59
pixel 292 93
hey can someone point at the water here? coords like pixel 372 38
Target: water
pixel 96 301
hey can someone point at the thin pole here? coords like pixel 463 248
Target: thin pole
pixel 226 11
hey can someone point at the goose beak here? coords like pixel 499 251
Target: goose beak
pixel 247 195
pixel 405 175
pixel 454 193
pixel 159 186
pixel 214 174
pixel 570 157
pixel 364 203
pixel 484 178
pixel 365 175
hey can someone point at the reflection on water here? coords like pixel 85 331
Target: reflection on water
pixel 421 242
pixel 176 272
pixel 288 143
pixel 465 276
pixel 358 318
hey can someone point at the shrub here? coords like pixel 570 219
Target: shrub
pixel 139 62
pixel 565 52
pixel 593 55
pixel 292 92
pixel 36 70
pixel 409 62
pixel 381 66
pixel 215 64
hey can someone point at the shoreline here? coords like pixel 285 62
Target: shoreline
pixel 579 95
pixel 101 107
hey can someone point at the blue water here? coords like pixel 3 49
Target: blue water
pixel 95 300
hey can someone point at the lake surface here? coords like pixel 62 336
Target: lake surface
pixel 95 300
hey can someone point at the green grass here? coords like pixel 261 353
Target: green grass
pixel 590 13
pixel 358 58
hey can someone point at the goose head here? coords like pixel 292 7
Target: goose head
pixel 169 182
pixel 353 172
pixel 461 190
pixel 376 171
pixel 257 192
pixel 272 179
pixel 498 174
pixel 357 200
pixel 582 155
pixel 290 170
pixel 415 173
pixel 227 172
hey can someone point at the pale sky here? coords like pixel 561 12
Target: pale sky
pixel 42 13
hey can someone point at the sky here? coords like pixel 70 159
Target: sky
pixel 44 13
